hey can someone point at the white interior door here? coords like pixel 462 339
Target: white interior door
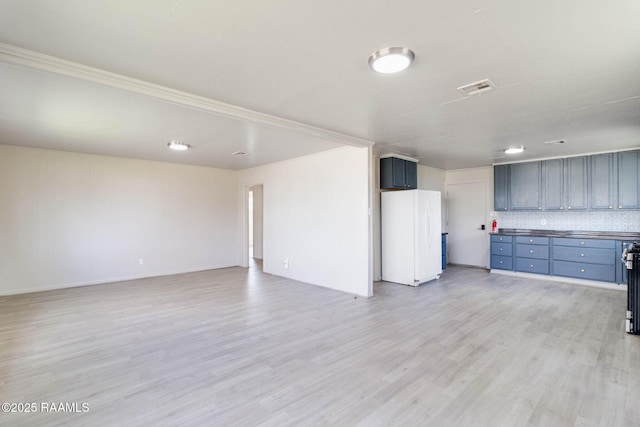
pixel 467 213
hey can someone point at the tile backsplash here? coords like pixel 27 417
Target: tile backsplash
pixel 628 221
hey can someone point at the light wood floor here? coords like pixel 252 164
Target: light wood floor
pixel 239 347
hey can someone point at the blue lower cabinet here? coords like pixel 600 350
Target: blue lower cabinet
pixel 587 243
pixel 504 249
pixel 502 262
pixel 532 265
pixel 588 255
pixel 532 251
pixel 444 251
pixel 532 240
pixel 590 259
pixel 601 272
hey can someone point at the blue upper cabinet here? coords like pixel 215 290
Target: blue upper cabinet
pixel 628 181
pixel 525 186
pixel 553 184
pixel 500 187
pixel 575 180
pixel 398 174
pixel 601 183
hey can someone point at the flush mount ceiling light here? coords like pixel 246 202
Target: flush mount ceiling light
pixel 391 59
pixel 178 146
pixel 514 149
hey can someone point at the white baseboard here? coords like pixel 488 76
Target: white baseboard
pixel 105 281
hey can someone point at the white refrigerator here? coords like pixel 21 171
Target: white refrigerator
pixel 411 236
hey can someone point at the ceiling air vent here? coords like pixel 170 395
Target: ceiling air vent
pixel 477 87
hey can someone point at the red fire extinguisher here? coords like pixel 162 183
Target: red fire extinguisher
pixel 494 226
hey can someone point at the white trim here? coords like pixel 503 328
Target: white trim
pixel 27 58
pixel 566 157
pixel 582 282
pixel 109 280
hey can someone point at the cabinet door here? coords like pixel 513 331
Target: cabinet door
pixel 629 180
pixel 393 173
pixel 500 187
pixel 553 177
pixel 525 184
pixel 398 172
pixel 575 175
pixel 411 174
pixel 601 181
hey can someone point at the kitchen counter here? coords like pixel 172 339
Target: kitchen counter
pixel 608 235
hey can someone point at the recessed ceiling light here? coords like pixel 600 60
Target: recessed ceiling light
pixel 239 153
pixel 391 59
pixel 514 149
pixel 178 146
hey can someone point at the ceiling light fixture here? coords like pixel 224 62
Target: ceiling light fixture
pixel 178 146
pixel 391 59
pixel 514 149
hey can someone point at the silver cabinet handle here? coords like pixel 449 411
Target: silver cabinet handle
pixel 610 207
pixel 582 270
pixel 569 207
pixel 500 261
pixel 531 266
pixel 619 207
pixel 581 254
pixel 500 249
pixel 582 243
pixel 531 251
pixel 561 207
pixel 531 240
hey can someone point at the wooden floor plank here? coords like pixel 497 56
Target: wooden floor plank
pixel 239 347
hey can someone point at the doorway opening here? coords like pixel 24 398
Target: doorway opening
pixel 254 220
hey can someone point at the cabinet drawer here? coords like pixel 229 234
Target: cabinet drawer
pixel 502 262
pixel 586 255
pixel 587 243
pixel 532 251
pixel 539 266
pixel 532 240
pixel 499 238
pixel 604 273
pixel 501 249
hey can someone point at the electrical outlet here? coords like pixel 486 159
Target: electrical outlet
pixel 140 261
pixel 286 263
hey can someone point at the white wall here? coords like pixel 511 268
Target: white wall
pixel 257 221
pixel 71 219
pixel 316 216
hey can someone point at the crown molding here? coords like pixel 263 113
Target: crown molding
pixel 27 58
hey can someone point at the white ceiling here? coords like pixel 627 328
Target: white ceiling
pixel 563 70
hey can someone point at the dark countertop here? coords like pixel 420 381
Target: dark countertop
pixel 609 235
